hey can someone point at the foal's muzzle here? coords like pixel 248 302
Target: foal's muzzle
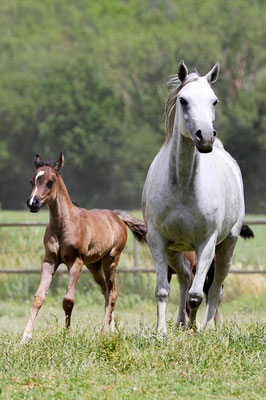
pixel 34 204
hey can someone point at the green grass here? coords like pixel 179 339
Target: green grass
pixel 134 362
pixel 225 363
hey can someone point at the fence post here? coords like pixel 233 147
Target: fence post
pixel 136 254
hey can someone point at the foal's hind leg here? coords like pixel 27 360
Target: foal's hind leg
pixel 47 271
pixel 224 254
pixel 75 270
pixel 109 265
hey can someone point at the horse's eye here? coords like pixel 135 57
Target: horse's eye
pixel 183 101
pixel 49 183
pixel 215 102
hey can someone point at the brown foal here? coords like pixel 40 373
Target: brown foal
pixel 77 237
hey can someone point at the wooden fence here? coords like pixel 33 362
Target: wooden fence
pixel 61 270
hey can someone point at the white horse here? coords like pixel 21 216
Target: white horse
pixel 193 197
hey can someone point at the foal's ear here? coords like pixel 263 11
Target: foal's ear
pixel 212 76
pixel 182 71
pixel 59 163
pixel 37 161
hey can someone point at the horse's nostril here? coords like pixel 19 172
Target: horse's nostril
pixel 214 133
pixel 199 134
pixel 28 202
pixel 35 202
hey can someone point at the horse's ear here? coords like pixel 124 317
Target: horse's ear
pixel 182 71
pixel 37 161
pixel 58 164
pixel 212 76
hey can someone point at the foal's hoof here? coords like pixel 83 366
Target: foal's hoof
pixel 26 338
pixel 181 326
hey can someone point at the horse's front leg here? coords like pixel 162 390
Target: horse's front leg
pixel 75 270
pixel 47 271
pixel 158 249
pixel 181 265
pixel 223 259
pixel 205 256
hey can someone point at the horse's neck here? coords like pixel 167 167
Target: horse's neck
pixel 183 161
pixel 61 208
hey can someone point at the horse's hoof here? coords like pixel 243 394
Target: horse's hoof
pixel 194 300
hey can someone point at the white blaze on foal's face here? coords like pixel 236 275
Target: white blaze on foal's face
pixel 40 173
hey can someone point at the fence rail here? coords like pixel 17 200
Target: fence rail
pixel 61 270
pixel 126 270
pixel 254 221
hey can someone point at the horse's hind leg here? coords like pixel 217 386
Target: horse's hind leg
pixel 109 266
pixel 223 259
pixel 181 265
pixel 207 284
pixel 75 270
pixel 47 271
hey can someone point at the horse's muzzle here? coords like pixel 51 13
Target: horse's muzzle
pixel 204 147
pixel 34 204
pixel 204 141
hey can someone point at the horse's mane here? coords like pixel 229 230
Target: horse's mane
pixel 170 107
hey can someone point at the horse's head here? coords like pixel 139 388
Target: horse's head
pixel 44 182
pixel 196 103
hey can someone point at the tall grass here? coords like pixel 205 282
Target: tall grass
pixel 226 363
pixel 134 362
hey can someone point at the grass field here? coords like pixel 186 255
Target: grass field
pixel 134 362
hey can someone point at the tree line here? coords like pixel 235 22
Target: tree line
pixel 86 78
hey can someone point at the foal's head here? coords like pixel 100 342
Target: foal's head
pixel 44 182
pixel 194 101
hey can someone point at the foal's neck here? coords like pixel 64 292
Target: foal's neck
pixel 183 160
pixel 61 207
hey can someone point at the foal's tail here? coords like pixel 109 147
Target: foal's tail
pixel 137 227
pixel 246 232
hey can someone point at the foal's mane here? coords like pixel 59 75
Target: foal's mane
pixel 170 107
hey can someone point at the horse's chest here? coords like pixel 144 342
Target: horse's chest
pixel 182 230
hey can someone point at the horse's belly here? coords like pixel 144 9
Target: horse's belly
pixel 180 246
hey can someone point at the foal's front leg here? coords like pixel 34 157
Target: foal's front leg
pixel 47 271
pixel 75 270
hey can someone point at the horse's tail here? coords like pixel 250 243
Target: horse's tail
pixel 137 227
pixel 246 232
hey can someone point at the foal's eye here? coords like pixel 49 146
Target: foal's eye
pixel 49 183
pixel 215 102
pixel 183 101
